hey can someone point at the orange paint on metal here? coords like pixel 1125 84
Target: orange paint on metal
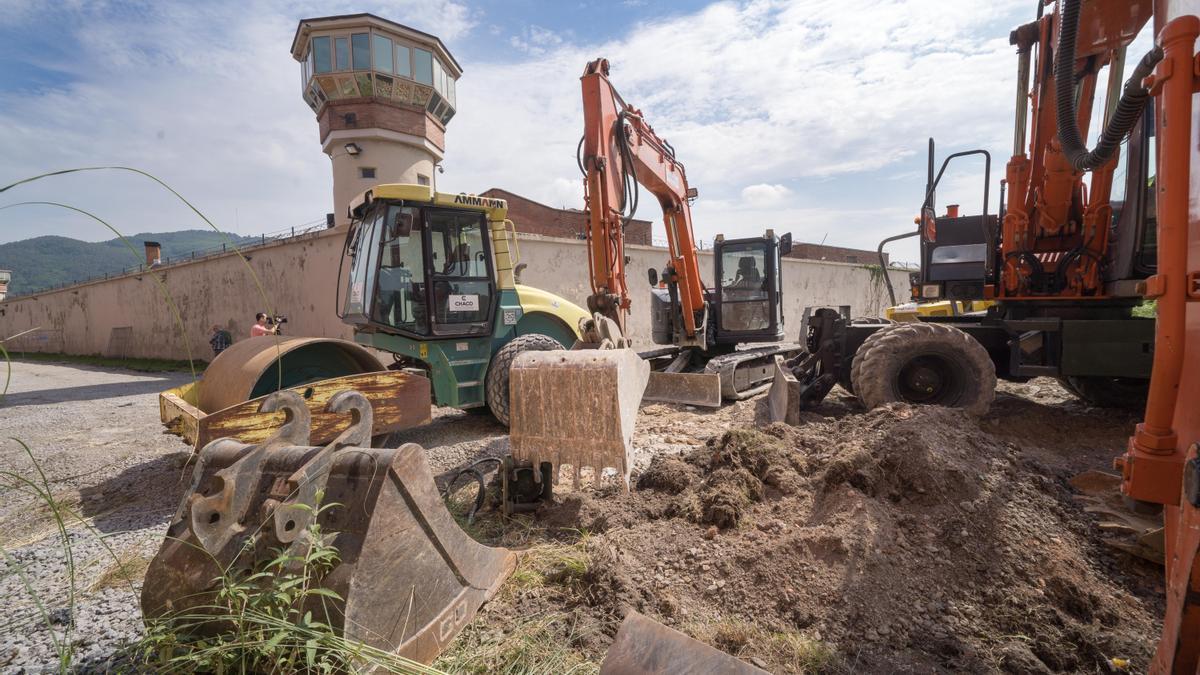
pixel 1048 209
pixel 1162 454
pixel 605 115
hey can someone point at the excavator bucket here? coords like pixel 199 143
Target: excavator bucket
pixel 407 578
pixel 644 646
pixel 576 407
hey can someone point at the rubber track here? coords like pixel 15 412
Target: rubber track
pixel 727 364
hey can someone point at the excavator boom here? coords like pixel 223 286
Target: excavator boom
pixel 620 151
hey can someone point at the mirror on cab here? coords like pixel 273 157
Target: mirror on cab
pixel 401 226
pixel 653 275
pixel 785 244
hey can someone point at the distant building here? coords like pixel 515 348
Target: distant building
pixel 532 217
pixel 5 277
pixel 835 254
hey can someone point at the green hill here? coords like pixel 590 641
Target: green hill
pixel 42 262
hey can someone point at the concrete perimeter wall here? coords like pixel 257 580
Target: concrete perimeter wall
pixel 129 316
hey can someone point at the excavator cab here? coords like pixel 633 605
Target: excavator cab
pixel 747 303
pixel 745 306
pixel 956 250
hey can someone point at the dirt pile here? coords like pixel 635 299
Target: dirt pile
pixel 909 539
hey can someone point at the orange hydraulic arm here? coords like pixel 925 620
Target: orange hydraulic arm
pixel 1161 464
pixel 1055 234
pixel 620 151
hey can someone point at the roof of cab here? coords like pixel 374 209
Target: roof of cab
pixel 496 209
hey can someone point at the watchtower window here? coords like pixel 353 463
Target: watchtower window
pixel 366 172
pixel 403 61
pixel 341 48
pixel 383 53
pixel 323 55
pixel 422 179
pixel 423 66
pixel 360 45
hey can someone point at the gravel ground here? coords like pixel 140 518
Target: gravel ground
pixel 95 435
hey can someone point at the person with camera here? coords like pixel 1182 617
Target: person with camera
pixel 263 325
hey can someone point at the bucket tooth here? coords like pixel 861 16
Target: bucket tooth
pixel 576 407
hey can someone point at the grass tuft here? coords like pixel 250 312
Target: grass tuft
pixel 129 568
pixel 788 652
pixel 535 645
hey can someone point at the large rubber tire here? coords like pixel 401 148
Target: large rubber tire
pixel 924 363
pixel 1127 393
pixel 497 375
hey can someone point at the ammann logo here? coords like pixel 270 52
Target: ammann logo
pixel 473 200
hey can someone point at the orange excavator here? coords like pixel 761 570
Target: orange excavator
pixel 716 343
pixel 1060 245
pixel 707 330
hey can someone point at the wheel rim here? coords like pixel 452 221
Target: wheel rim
pixel 930 379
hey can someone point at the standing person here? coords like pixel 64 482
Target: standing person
pixel 260 326
pixel 220 340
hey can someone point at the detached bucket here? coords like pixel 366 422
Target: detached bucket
pixel 409 578
pixel 576 407
pixel 644 646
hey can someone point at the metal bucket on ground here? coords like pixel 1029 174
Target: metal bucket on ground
pixel 408 578
pixel 644 646
pixel 576 407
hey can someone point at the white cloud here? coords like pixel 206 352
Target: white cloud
pixel 765 194
pixel 776 93
pixel 205 96
pixel 536 40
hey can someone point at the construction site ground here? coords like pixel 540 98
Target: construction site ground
pixel 897 540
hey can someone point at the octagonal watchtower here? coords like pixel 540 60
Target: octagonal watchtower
pixel 383 94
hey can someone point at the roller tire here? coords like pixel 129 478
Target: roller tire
pixel 1126 393
pixel 496 382
pixel 966 375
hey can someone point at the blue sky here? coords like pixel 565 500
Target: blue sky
pixel 805 116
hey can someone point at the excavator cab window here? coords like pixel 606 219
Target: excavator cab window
pixel 747 298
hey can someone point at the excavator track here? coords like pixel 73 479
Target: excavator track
pixel 747 372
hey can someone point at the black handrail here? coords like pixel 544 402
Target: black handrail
pixel 927 204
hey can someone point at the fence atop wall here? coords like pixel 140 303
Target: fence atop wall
pixel 295 232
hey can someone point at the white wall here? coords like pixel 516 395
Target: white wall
pixel 128 316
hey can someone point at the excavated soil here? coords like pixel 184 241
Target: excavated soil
pixel 907 539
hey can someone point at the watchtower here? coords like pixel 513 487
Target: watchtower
pixel 383 94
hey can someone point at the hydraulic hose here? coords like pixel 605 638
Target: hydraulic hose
pixel 1128 110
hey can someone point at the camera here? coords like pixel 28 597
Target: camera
pixel 277 319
